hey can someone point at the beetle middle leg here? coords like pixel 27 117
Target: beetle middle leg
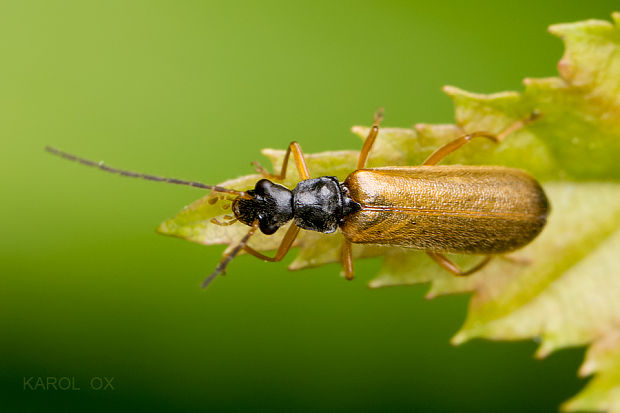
pixel 451 267
pixel 299 159
pixel 346 258
pixel 285 246
pixel 452 146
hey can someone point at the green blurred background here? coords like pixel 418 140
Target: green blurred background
pixel 194 89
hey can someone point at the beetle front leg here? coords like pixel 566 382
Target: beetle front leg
pixel 283 249
pixel 451 267
pixel 298 157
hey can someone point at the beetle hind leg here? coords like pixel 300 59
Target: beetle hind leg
pixel 452 146
pixel 370 139
pixel 454 269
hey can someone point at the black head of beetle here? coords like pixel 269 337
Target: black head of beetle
pixel 271 204
pixel 317 204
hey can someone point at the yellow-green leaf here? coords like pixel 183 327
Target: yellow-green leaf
pixel 564 288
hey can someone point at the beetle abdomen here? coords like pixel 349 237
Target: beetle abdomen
pixel 460 209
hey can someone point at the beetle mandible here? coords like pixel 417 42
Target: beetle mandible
pixel 482 210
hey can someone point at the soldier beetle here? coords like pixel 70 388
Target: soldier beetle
pixel 483 210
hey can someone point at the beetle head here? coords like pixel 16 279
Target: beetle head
pixel 271 204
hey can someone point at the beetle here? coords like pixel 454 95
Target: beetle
pixel 481 210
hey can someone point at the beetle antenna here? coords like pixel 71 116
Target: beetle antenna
pixel 103 167
pixel 221 267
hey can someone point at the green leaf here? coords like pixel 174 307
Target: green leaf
pixel 564 288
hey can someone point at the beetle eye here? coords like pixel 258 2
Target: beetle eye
pixel 267 228
pixel 263 186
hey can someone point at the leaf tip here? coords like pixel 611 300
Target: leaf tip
pixel 544 350
pixel 452 90
pixel 577 404
pixel 375 283
pixel 567 406
pixel 430 294
pixel 562 30
pixel 360 131
pixel 587 368
pixel 556 29
pixel 165 228
pixel 459 338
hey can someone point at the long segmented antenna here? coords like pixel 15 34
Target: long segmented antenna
pixel 221 267
pixel 100 165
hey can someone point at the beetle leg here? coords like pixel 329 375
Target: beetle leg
pixel 370 139
pixel 300 162
pixel 346 258
pixel 285 246
pixel 452 146
pixel 448 265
